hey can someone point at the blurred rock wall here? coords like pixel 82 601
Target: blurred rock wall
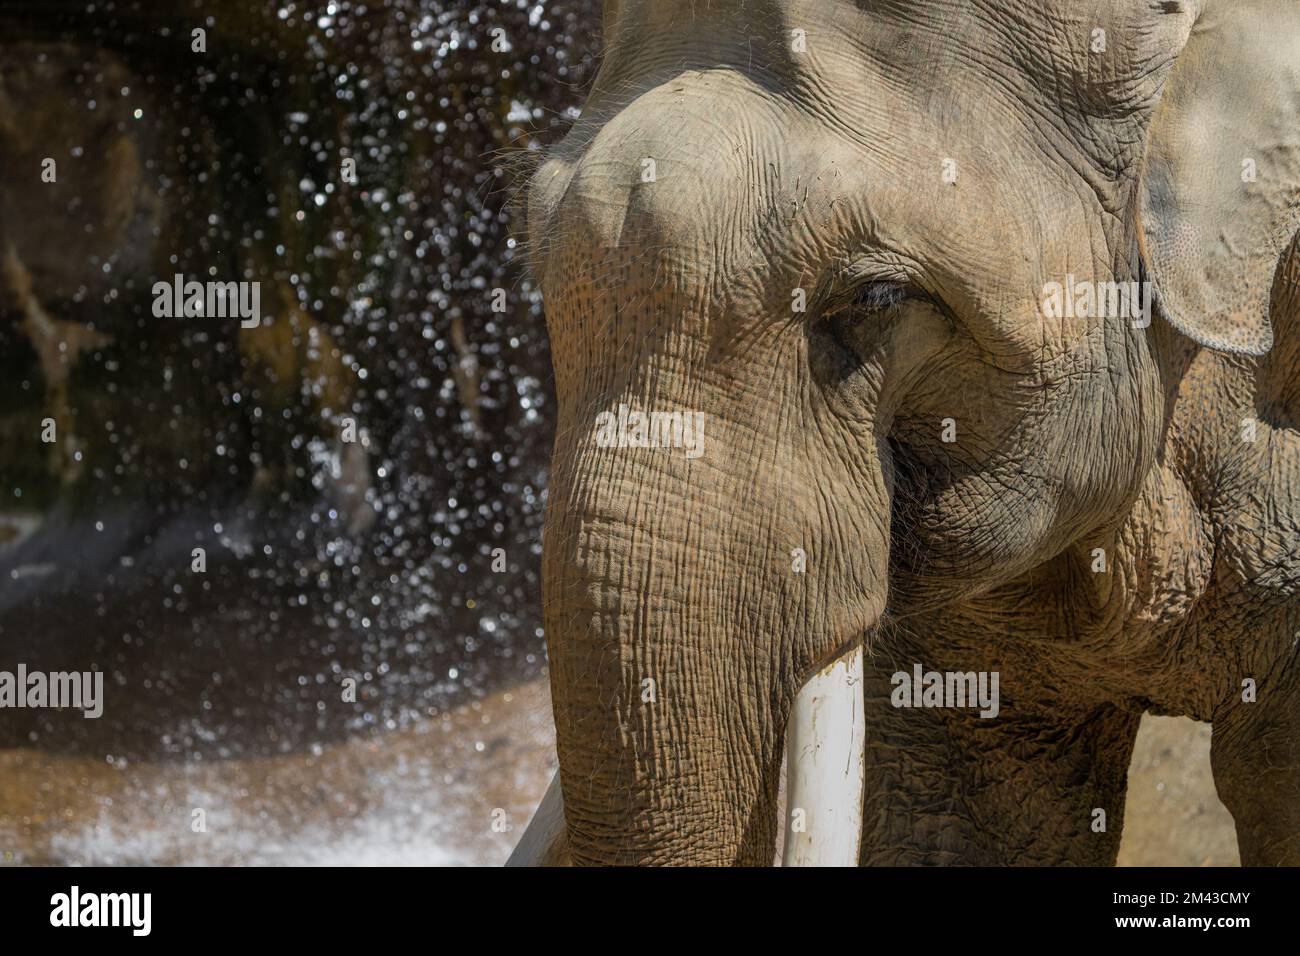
pixel 351 465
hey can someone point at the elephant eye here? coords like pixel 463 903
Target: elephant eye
pixel 852 321
pixel 870 299
pixel 856 309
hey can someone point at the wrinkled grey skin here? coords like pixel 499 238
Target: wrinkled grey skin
pixel 922 170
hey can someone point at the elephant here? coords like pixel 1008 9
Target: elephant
pixel 908 352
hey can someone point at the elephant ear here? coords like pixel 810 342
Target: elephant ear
pixel 1221 184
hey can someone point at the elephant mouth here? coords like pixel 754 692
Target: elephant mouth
pixel 825 778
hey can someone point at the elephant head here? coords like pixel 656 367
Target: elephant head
pixel 812 275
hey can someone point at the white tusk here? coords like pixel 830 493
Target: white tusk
pixel 545 840
pixel 825 765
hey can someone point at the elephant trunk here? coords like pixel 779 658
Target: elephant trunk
pixel 707 553
pixel 682 646
pixel 825 757
pixel 664 752
pixel 716 532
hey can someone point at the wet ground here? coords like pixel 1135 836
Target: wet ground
pixel 450 791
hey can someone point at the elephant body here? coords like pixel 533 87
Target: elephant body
pixel 829 229
pixel 1200 597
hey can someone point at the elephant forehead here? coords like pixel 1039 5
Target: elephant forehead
pixel 703 182
pixel 740 185
pixel 683 159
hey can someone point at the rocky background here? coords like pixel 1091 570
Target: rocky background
pixel 364 471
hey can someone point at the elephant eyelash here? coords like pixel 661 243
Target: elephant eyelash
pixel 872 298
pixel 878 296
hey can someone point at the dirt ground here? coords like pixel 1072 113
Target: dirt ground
pixel 451 791
pixel 1173 815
